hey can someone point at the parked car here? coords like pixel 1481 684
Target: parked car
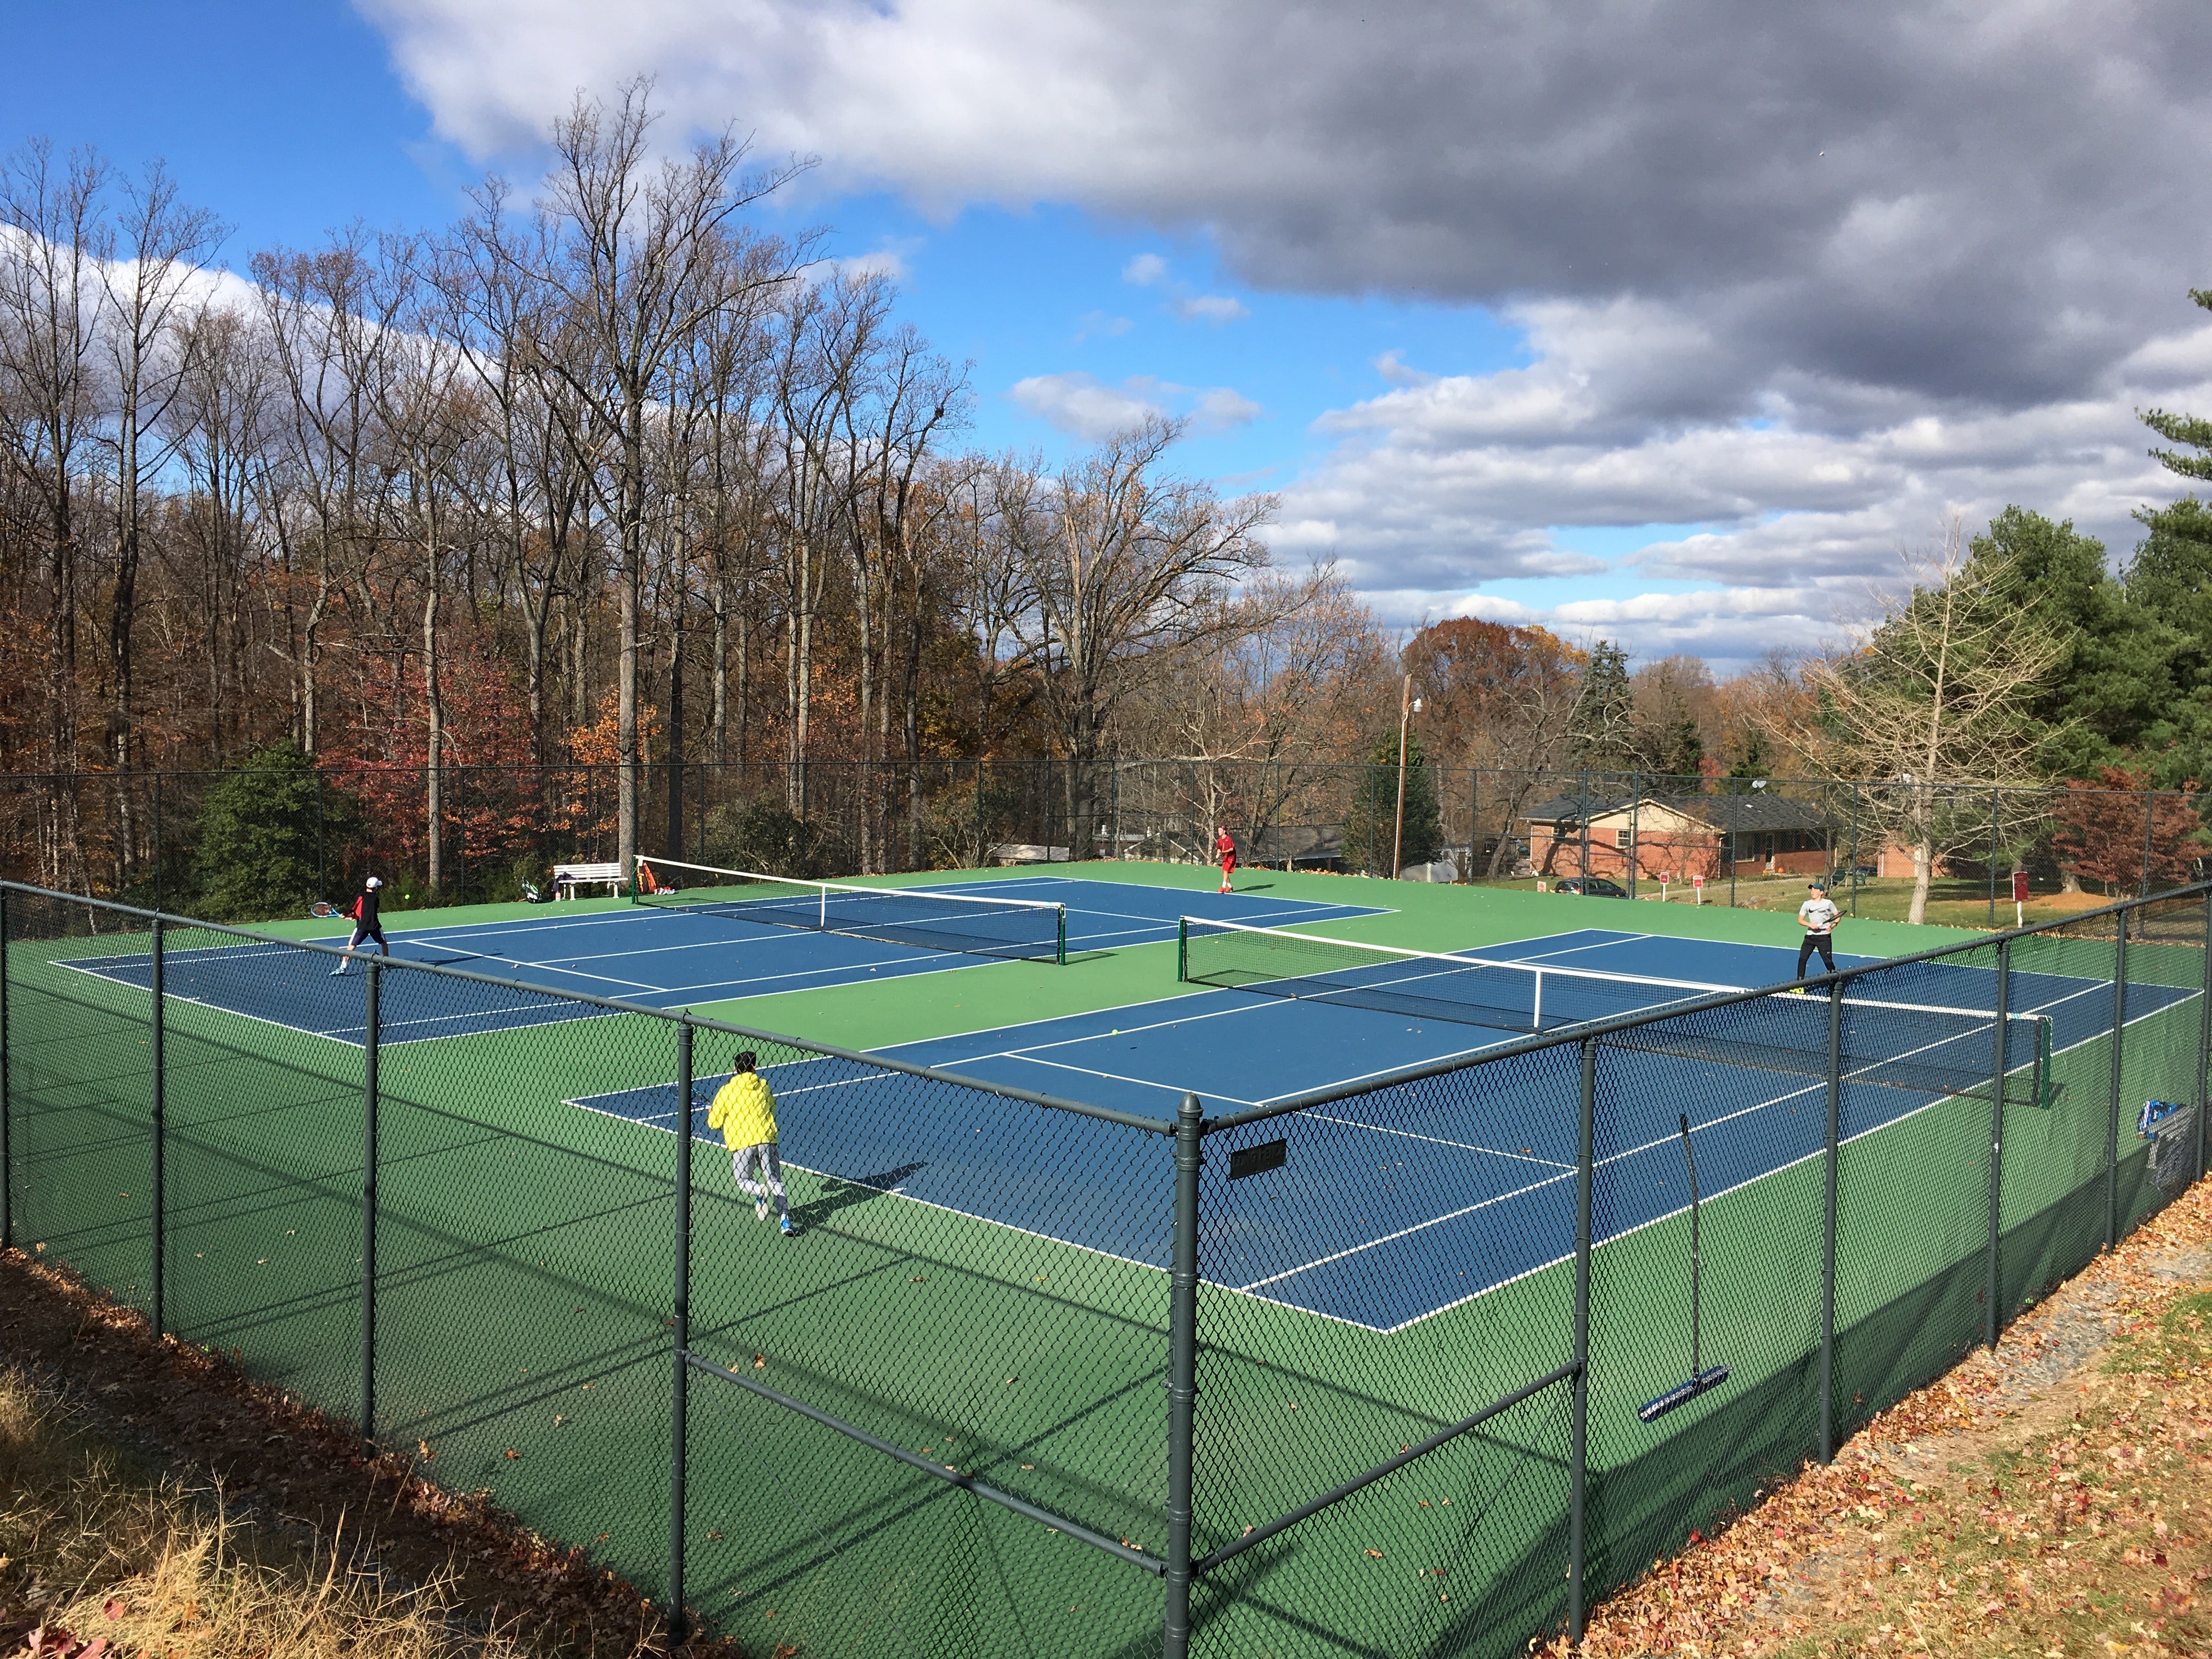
pixel 1593 887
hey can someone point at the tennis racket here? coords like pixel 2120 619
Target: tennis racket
pixel 322 908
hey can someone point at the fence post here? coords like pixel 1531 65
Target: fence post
pixel 371 1036
pixel 1578 1451
pixel 1854 849
pixel 160 1132
pixel 1996 1139
pixel 681 1382
pixel 322 885
pixel 1473 814
pixel 1182 1377
pixel 1996 795
pixel 1581 812
pixel 7 1164
pixel 157 840
pixel 1635 846
pixel 2112 1129
pixel 2204 1033
pixel 1832 1150
pixel 2150 804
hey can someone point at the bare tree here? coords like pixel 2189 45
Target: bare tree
pixel 160 249
pixel 1936 694
pixel 636 253
pixel 1120 562
pixel 53 239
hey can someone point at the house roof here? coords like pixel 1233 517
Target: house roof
pixel 1730 814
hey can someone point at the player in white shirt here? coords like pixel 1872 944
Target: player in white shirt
pixel 1818 916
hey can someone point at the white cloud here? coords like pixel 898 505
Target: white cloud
pixel 1145 270
pixel 1086 407
pixel 1223 410
pixel 1809 288
pixel 1099 325
pixel 1207 308
pixel 1429 489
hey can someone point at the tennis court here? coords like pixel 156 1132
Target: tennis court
pixel 978 1276
pixel 1355 1231
pixel 674 955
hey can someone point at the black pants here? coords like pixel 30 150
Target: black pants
pixel 1815 942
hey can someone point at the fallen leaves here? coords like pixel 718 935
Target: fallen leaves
pixel 1995 1511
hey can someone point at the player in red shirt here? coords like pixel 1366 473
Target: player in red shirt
pixel 1224 849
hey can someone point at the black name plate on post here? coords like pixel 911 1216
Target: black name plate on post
pixel 1258 1160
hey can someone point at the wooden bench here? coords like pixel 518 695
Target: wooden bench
pixel 567 877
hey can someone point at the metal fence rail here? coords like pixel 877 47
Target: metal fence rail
pixel 1426 1363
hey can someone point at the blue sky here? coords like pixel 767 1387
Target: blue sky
pixel 1516 324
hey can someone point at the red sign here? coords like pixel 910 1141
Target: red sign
pixel 1697 881
pixel 2019 887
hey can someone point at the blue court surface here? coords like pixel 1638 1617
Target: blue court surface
pixel 1391 1206
pixel 662 957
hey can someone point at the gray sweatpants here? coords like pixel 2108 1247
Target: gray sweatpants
pixel 741 1163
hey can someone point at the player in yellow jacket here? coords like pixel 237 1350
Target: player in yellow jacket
pixel 745 1111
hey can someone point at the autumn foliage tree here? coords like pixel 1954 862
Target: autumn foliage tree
pixel 2110 833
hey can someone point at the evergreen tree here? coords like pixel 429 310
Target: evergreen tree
pixel 1680 751
pixel 1750 760
pixel 2111 680
pixel 1601 732
pixel 1371 826
pixel 2169 584
pixel 261 835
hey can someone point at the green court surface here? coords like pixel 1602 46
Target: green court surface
pixel 525 1269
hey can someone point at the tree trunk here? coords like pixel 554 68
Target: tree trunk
pixel 434 744
pixel 633 557
pixel 1923 868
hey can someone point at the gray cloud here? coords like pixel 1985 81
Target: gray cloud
pixel 1811 278
pixel 1988 203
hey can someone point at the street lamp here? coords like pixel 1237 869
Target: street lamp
pixel 1408 705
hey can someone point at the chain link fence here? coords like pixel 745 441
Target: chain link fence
pixel 157 840
pixel 1424 1362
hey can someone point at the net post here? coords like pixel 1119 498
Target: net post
pixel 2112 1127
pixel 1831 1149
pixel 1182 1377
pixel 371 1036
pixel 160 1132
pixel 7 1164
pixel 1578 1452
pixel 2204 1031
pixel 1182 950
pixel 680 1383
pixel 1059 937
pixel 1996 1139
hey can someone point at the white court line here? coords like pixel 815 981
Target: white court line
pixel 898 1192
pixel 1117 1077
pixel 1636 1151
pixel 1438 1140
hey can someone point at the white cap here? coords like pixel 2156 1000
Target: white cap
pixel 375 881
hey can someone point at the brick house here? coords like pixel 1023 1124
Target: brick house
pixel 1679 836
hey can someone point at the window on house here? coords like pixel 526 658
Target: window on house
pixel 1624 838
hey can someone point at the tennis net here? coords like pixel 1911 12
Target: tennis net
pixel 1924 1047
pixel 925 918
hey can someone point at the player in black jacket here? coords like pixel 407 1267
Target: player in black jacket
pixel 365 924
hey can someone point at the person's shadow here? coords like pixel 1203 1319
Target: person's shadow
pixel 848 1191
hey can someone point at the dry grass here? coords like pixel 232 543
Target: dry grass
pixel 95 1549
pixel 155 1498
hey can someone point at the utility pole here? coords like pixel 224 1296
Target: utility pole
pixel 1408 705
